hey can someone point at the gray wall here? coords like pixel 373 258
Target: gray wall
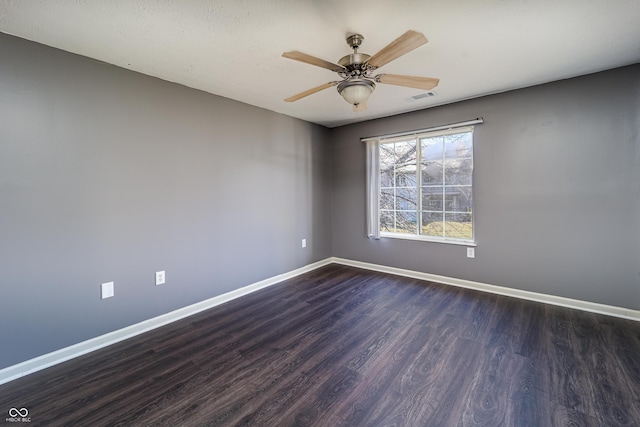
pixel 556 190
pixel 110 175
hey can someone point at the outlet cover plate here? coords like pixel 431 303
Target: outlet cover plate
pixel 471 252
pixel 160 278
pixel 106 290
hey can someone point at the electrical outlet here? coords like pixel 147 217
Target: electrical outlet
pixel 304 243
pixel 106 290
pixel 160 278
pixel 471 252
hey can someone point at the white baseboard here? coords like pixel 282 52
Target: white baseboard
pixel 41 362
pixel 609 310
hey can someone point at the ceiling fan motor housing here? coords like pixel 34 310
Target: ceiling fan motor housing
pixel 353 59
pixel 355 66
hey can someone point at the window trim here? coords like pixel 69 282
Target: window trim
pixel 431 239
pixel 373 181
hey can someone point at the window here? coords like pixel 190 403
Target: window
pixel 424 186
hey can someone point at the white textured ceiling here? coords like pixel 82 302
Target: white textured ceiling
pixel 233 48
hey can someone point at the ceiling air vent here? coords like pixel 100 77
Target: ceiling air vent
pixel 429 94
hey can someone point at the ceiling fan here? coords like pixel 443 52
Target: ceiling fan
pixel 356 69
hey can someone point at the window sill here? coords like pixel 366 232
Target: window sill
pixel 428 239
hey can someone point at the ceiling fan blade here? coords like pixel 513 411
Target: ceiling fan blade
pixel 426 83
pixel 310 92
pixel 308 59
pixel 400 46
pixel 360 107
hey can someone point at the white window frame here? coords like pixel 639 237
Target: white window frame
pixel 374 191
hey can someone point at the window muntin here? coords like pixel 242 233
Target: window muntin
pixel 426 186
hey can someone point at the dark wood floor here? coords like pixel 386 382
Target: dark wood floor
pixel 346 347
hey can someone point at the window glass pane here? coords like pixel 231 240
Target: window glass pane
pixel 432 224
pixel 386 221
pixel 432 199
pixel 458 171
pixel 405 153
pixel 432 173
pixel 458 198
pixel 431 148
pixel 386 177
pixel 387 156
pixel 406 199
pixel 406 176
pixel 386 199
pixel 406 222
pixel 458 226
pixel 458 146
pixel 387 165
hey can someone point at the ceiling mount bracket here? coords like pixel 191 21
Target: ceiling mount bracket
pixel 354 41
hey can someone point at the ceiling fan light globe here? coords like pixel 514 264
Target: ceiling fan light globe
pixel 356 92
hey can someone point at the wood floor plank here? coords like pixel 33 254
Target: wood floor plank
pixel 531 336
pixel 382 374
pixel 566 379
pixel 498 364
pixel 608 383
pixel 341 346
pixel 446 397
pixel 476 321
pixel 317 410
pixel 623 341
